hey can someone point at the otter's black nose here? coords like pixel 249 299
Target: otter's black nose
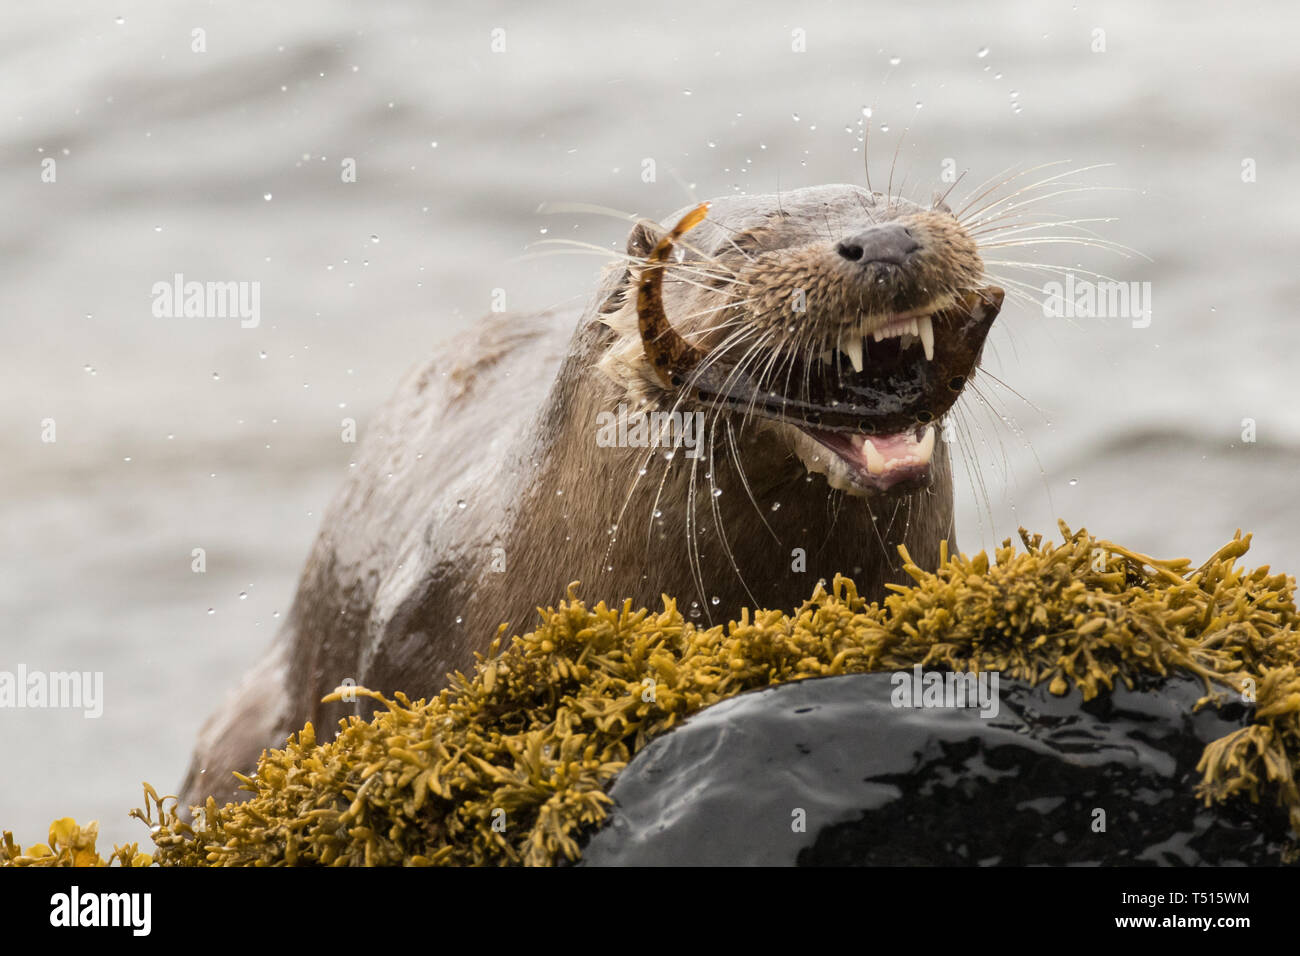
pixel 889 242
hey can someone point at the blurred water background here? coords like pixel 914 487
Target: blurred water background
pixel 176 434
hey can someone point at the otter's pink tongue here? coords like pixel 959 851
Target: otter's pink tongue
pixel 882 461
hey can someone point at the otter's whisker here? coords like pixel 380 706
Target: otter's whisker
pixel 889 188
pixel 1020 432
pixel 966 218
pixel 1015 228
pixel 693 542
pixel 975 468
pixel 1115 247
pixel 1018 209
pixel 744 481
pixel 1008 177
pixel 943 200
pixel 672 278
pixel 577 247
pixel 1031 295
pixel 551 208
pixel 1013 215
pixel 1052 268
pixel 717 520
pixel 730 229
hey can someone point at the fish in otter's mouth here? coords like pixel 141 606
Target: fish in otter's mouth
pixel 871 396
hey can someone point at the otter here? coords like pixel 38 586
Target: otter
pixel 778 367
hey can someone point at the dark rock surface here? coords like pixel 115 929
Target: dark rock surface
pixel 880 785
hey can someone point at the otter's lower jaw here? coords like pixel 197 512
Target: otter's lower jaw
pixel 865 465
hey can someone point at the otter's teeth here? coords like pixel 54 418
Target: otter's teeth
pixel 875 460
pixel 925 449
pixel 926 331
pixel 919 454
pixel 853 351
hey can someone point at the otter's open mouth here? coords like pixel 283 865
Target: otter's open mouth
pixel 872 401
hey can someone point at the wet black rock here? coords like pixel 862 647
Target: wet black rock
pixel 875 784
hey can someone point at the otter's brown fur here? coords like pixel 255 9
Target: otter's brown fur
pixel 480 491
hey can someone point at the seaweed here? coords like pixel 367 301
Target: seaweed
pixel 510 765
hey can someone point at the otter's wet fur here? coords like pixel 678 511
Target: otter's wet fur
pixel 480 491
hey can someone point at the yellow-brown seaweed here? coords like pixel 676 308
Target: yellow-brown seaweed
pixel 510 765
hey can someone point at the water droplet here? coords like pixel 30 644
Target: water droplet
pixel 1073 482
pixel 686 92
pixel 216 377
pixel 374 238
pixel 717 492
pixel 261 355
pixel 119 20
pixel 776 506
pixel 895 60
pixel 795 117
pixel 243 595
pixel 212 610
pixel 461 504
pixel 982 52
pixel 715 600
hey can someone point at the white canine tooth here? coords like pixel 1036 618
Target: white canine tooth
pixel 925 448
pixel 875 460
pixel 854 351
pixel 926 330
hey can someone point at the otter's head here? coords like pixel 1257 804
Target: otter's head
pixel 839 324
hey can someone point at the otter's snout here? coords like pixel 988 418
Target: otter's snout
pixel 889 242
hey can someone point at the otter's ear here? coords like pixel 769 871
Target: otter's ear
pixel 640 243
pixel 642 239
pixel 937 204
